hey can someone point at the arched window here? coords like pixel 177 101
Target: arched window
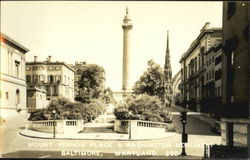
pixel 17 96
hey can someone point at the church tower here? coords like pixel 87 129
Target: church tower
pixel 126 26
pixel 168 76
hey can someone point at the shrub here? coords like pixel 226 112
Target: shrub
pixel 121 112
pixel 69 110
pixel 143 107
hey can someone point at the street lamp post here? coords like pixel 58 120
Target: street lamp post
pixel 130 114
pixel 184 135
pixel 54 123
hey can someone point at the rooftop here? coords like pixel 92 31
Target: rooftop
pixel 7 40
pixel 48 62
pixel 205 30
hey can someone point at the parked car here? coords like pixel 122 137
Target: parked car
pixel 215 127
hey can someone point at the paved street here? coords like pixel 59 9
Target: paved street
pixel 169 148
pixel 9 130
pixel 194 125
pixel 35 148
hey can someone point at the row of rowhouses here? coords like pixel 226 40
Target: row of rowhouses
pixel 215 73
pixel 198 68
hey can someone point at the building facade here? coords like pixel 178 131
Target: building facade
pixel 218 70
pixel 235 121
pixel 36 98
pixel 57 78
pixel 13 84
pixel 193 66
pixel 212 84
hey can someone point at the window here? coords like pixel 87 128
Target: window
pixel 35 78
pixel 17 68
pixel 17 96
pixel 50 78
pixel 212 73
pixel 55 90
pixel 195 65
pixel 202 55
pixel 47 90
pixel 41 78
pixel 7 95
pixel 218 60
pixel 41 68
pixel 50 68
pixel 34 68
pixel 185 72
pixel 27 68
pixel 218 74
pixel 28 78
pixel 231 7
pixel 58 78
pixel 58 68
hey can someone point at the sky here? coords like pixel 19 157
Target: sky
pixel 88 31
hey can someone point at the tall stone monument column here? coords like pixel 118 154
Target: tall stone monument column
pixel 126 26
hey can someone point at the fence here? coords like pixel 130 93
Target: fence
pixel 138 126
pixel 61 126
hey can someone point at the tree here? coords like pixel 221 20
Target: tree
pixel 91 84
pixel 151 82
pixel 143 107
pixel 107 96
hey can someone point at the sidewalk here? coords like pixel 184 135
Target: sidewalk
pixel 202 116
pixel 96 136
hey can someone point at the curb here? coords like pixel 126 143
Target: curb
pixel 92 138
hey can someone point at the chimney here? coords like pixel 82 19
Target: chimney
pixel 49 59
pixel 35 58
